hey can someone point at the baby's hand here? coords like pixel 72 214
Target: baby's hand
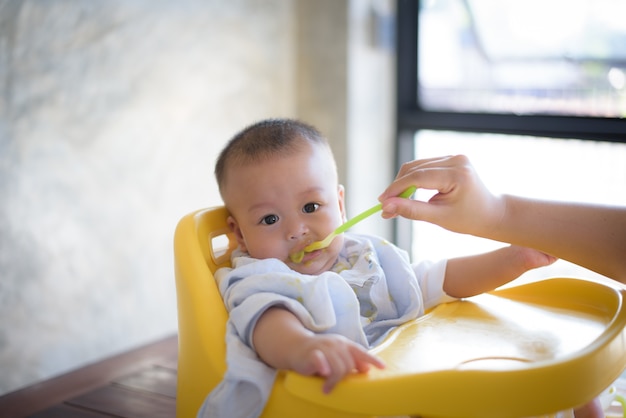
pixel 531 258
pixel 332 357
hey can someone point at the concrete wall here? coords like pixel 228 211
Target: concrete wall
pixel 111 117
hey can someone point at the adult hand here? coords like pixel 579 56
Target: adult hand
pixel 593 236
pixel 462 202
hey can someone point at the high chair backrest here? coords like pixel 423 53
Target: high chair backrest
pixel 201 313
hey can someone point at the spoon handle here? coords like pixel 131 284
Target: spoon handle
pixel 297 257
pixel 358 218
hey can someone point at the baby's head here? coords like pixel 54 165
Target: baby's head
pixel 278 180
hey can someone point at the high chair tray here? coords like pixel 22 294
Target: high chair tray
pixel 539 347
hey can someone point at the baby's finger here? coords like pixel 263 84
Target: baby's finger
pixel 321 366
pixel 341 364
pixel 363 360
pixel 330 383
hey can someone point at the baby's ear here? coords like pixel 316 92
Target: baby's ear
pixel 342 201
pixel 234 226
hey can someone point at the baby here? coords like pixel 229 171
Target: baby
pixel 278 180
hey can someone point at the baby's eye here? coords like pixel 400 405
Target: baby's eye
pixel 310 207
pixel 269 219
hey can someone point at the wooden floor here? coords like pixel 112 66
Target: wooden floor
pixel 137 384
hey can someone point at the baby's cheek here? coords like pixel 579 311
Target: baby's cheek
pixel 337 245
pixel 264 249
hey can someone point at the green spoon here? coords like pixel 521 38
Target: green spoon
pixel 318 245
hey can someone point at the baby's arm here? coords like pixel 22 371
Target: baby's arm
pixel 472 275
pixel 282 341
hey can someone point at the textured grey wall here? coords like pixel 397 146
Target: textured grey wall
pixel 111 116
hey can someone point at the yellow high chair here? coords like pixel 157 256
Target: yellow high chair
pixel 521 351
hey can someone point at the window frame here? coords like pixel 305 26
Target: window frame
pixel 411 117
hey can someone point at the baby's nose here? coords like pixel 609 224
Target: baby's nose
pixel 298 230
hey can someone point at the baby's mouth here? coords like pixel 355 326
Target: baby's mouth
pixel 299 256
pixel 296 257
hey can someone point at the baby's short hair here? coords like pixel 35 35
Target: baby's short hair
pixel 265 139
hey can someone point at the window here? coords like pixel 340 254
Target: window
pixel 538 110
pixel 547 168
pixel 509 57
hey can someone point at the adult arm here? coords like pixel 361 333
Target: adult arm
pixel 593 236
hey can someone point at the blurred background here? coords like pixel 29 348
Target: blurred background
pixel 111 117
